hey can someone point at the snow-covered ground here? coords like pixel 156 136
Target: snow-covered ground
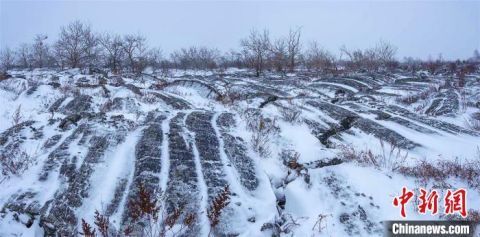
pixel 290 150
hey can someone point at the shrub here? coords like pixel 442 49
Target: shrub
pixel 216 207
pixel 391 158
pixel 88 230
pixel 290 113
pixel 102 223
pixel 281 225
pixel 320 223
pixel 262 129
pixel 262 135
pixel 14 162
pixel 17 115
pixel 290 159
pixel 472 216
pixel 146 219
pixel 468 171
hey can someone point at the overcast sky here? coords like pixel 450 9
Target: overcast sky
pixel 418 28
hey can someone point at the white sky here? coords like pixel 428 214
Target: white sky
pixel 418 28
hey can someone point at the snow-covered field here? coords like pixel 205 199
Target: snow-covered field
pixel 301 155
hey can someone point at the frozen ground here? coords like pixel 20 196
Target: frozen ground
pixel 288 148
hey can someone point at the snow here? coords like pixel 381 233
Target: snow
pixel 339 85
pixel 331 191
pixel 205 227
pixel 301 140
pixel 107 176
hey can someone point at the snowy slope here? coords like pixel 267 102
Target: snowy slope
pixel 287 148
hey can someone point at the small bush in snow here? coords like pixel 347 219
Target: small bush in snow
pixel 147 218
pixel 15 162
pixel 102 222
pixel 17 115
pixel 262 134
pixel 290 159
pixel 219 203
pixel 281 225
pixel 144 211
pixel 391 158
pixel 473 216
pixel 320 224
pixel 262 129
pixel 88 230
pixel 290 113
pixel 443 169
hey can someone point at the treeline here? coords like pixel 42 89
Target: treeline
pixel 78 46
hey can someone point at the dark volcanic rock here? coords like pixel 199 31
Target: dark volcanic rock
pixel 182 187
pixel 366 125
pixel 236 151
pixel 207 145
pixel 147 160
pixel 79 104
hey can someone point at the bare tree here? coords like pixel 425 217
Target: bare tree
pixel 294 46
pixel 24 56
pixel 318 59
pixel 76 45
pixel 155 57
pixel 355 58
pixel 432 65
pixel 91 48
pixel 255 49
pixel 412 65
pixel 208 57
pixel 232 58
pixel 40 51
pixel 113 51
pixel 135 50
pixel 6 59
pixel 476 56
pixel 371 59
pixel 385 53
pixel 196 58
pixel 279 55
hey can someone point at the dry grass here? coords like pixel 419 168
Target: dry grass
pixel 88 230
pixel 262 129
pixel 472 215
pixel 15 162
pixel 219 203
pixel 17 115
pixel 146 219
pixel 439 171
pixel 262 135
pixel 290 159
pixel 391 157
pixel 320 224
pixel 102 223
pixel 290 113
